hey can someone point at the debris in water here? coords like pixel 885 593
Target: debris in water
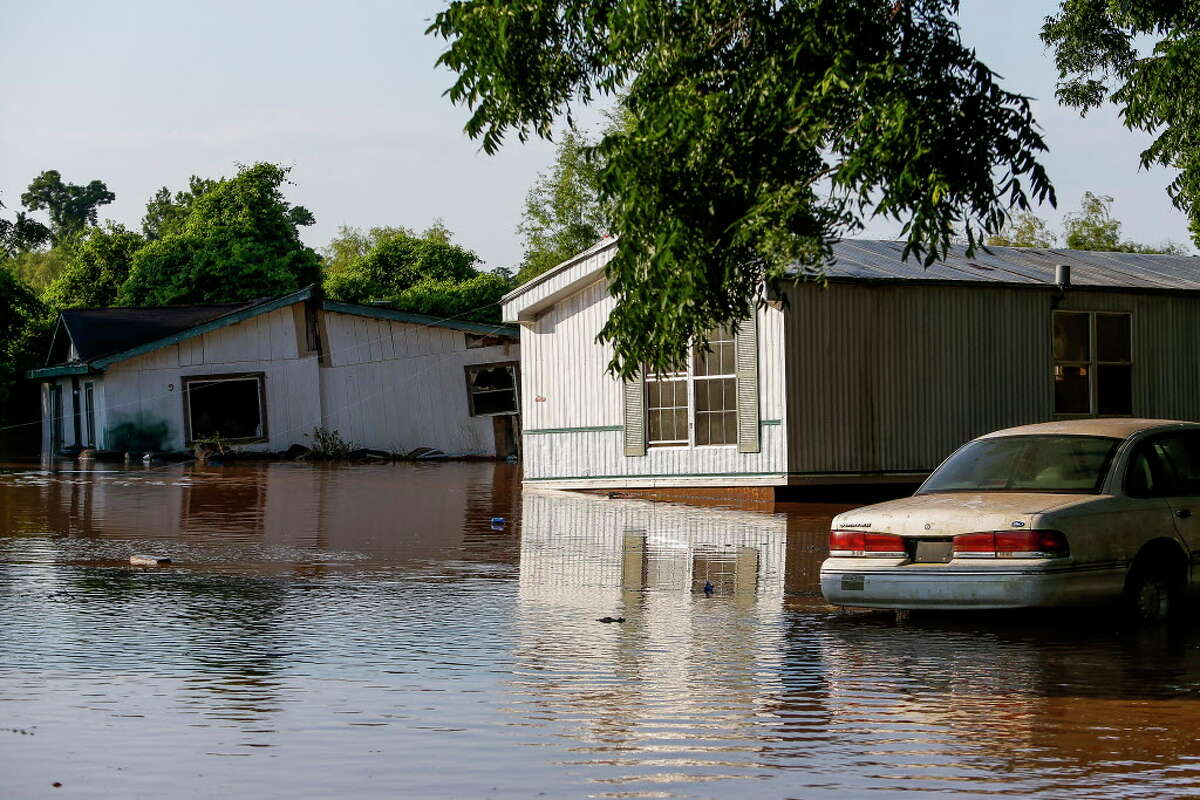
pixel 709 588
pixel 149 561
pixel 497 523
pixel 611 619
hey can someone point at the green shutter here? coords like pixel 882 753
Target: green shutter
pixel 635 416
pixel 747 387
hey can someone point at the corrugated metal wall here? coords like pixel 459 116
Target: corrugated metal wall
pixel 892 378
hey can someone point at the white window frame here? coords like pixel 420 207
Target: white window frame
pixel 1092 363
pixel 689 378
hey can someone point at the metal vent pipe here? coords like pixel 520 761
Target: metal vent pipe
pixel 1062 275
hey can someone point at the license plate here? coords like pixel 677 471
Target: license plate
pixel 933 551
pixel 853 583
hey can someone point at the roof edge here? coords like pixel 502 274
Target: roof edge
pixel 598 247
pixel 223 321
pixel 394 315
pixel 59 371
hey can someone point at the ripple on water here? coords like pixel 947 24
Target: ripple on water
pixel 365 629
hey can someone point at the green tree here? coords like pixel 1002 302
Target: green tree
pixel 21 235
pixel 1141 56
pixel 96 268
pixel 424 273
pixel 475 299
pixel 72 206
pixel 166 213
pixel 1023 229
pixel 563 212
pixel 23 339
pixel 37 269
pixel 761 131
pixel 351 245
pixel 1094 227
pixel 238 241
pixel 396 261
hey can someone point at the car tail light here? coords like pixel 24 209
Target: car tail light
pixel 860 543
pixel 1011 544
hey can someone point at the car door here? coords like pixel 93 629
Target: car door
pixel 1179 454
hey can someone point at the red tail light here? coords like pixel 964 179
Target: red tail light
pixel 860 543
pixel 1011 544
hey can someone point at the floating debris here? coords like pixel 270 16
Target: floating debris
pixel 611 619
pixel 149 561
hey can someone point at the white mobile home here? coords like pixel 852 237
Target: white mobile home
pixel 875 377
pixel 263 375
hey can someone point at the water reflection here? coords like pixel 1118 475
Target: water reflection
pixel 325 625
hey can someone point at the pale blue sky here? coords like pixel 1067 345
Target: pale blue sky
pixel 143 94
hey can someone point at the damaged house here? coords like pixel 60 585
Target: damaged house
pixel 263 375
pixel 876 377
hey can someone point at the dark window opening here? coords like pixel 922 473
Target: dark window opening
pixel 476 340
pixel 492 389
pixel 89 410
pixel 1093 363
pixel 230 408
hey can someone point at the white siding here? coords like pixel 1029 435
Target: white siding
pixel 397 386
pixel 147 390
pixel 572 409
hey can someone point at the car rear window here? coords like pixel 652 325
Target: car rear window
pixel 1071 464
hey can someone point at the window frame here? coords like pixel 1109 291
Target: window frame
pixel 260 377
pixel 1092 364
pixel 689 378
pixel 89 414
pixel 514 366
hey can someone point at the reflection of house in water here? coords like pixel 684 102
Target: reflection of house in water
pixel 684 673
pixel 279 517
pixel 578 542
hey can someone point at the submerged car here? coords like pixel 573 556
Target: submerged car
pixel 1073 513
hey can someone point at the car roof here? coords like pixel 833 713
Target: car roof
pixel 1116 427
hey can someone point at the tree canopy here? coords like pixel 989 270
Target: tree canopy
pixel 96 268
pixel 23 327
pixel 238 240
pixel 563 212
pixel 166 213
pixel 759 133
pixel 1023 229
pixel 71 206
pixel 22 234
pixel 1094 227
pixel 424 273
pixel 1141 56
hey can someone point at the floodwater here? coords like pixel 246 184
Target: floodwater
pixel 370 631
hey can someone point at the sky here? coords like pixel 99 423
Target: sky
pixel 144 94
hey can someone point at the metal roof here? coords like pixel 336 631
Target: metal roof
pixel 866 260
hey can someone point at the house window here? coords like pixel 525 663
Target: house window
pixel 1093 363
pixel 89 411
pixel 705 395
pixel 492 389
pixel 228 407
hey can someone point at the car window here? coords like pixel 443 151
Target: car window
pixel 1025 464
pixel 1180 454
pixel 1145 476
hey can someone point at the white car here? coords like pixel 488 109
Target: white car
pixel 1078 513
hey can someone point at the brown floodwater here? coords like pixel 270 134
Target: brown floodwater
pixel 372 631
